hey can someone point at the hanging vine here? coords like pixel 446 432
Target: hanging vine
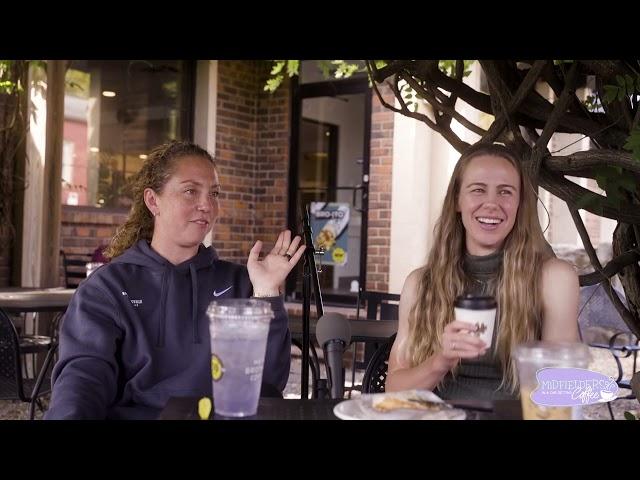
pixel 13 129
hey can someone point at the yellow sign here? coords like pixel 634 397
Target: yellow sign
pixel 217 369
pixel 338 255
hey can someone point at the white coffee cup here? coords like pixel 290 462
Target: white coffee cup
pixel 479 311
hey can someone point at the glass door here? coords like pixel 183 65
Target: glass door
pixel 329 172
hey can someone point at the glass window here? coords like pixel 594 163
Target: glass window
pixel 115 113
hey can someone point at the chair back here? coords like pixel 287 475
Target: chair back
pixel 75 267
pixel 10 362
pixel 381 305
pixel 375 376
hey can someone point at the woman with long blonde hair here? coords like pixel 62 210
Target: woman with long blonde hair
pixel 488 241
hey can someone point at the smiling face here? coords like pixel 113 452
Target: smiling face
pixel 186 208
pixel 488 202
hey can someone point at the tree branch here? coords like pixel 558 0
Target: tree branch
pixel 381 74
pixel 444 130
pixel 447 133
pixel 611 293
pixel 523 90
pixel 612 268
pixel 572 194
pixel 578 162
pixel 442 106
pixel 559 109
pixel 477 100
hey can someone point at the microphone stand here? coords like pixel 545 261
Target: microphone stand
pixel 310 274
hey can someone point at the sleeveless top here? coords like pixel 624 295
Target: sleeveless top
pixel 478 378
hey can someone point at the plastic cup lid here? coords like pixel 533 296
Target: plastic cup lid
pixel 240 307
pixel 552 351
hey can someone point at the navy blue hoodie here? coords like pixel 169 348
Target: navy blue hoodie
pixel 136 333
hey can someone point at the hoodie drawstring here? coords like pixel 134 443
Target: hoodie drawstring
pixel 163 307
pixel 194 302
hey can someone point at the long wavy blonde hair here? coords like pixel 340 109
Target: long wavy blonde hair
pixel 155 172
pixel 517 285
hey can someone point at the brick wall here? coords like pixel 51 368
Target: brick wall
pixel 252 158
pixel 380 181
pixel 84 229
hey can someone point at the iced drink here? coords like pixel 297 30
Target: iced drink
pixel 533 356
pixel 239 329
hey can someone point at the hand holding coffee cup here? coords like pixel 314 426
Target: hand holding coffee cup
pixel 459 341
pixel 480 313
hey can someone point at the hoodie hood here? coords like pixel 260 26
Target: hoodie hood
pixel 143 255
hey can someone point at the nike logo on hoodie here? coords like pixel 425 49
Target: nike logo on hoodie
pixel 217 294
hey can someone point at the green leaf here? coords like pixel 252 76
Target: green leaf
pixel 325 68
pixel 633 143
pixel 277 67
pixel 621 94
pixel 273 83
pixel 610 93
pixel 292 67
pixel 620 80
pixel 629 80
pixel 602 181
pixel 628 183
pixel 586 201
pixel 629 416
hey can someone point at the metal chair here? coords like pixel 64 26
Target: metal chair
pixel 75 268
pixel 13 385
pixel 375 376
pixel 379 306
pixel 600 326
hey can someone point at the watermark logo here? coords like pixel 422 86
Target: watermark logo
pixel 564 386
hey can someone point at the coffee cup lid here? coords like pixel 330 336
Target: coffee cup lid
pixel 474 302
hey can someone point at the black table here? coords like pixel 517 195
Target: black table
pixel 186 408
pixel 361 330
pixel 30 299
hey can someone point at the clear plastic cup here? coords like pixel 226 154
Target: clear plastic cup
pixel 91 267
pixel 533 356
pixel 239 329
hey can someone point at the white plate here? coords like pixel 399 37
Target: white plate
pixel 361 408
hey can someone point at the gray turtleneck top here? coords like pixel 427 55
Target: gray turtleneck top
pixel 478 378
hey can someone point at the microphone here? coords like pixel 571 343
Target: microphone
pixel 333 333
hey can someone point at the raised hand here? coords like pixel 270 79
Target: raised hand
pixel 268 274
